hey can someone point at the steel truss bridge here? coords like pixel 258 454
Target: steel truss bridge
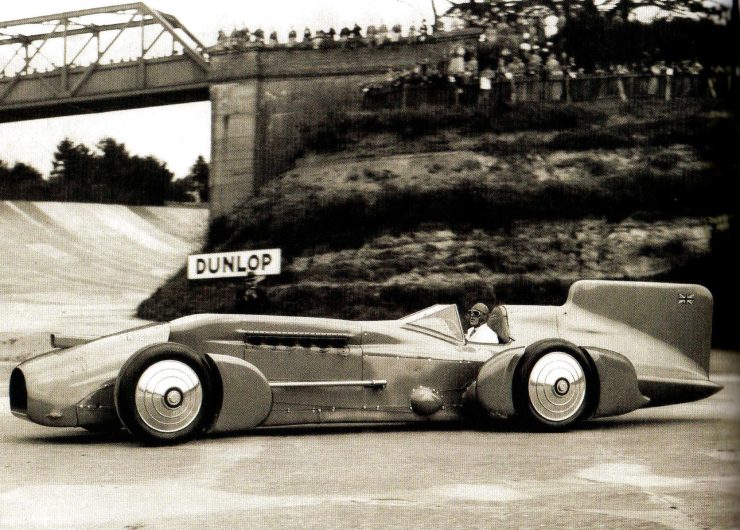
pixel 94 60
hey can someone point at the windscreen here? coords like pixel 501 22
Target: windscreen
pixel 440 320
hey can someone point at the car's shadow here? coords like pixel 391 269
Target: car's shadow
pixel 80 437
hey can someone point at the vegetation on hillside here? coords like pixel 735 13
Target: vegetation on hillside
pixel 420 208
pixel 658 168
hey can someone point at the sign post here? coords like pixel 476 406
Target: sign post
pixel 234 264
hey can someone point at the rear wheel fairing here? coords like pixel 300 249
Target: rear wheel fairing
pixel 247 397
pixel 494 383
pixel 58 381
pixel 618 389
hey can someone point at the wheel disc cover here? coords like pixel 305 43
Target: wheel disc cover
pixel 169 396
pixel 557 387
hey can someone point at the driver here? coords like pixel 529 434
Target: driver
pixel 479 331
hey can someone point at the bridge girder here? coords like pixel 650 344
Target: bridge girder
pixel 26 44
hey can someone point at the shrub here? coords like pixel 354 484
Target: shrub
pixel 664 161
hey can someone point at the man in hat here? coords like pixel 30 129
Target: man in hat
pixel 479 331
pixel 250 297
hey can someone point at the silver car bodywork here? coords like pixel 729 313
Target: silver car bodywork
pixel 648 344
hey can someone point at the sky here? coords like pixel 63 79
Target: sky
pixel 177 134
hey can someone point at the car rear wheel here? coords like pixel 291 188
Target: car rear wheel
pixel 164 394
pixel 555 385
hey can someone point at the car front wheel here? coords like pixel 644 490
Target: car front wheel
pixel 164 394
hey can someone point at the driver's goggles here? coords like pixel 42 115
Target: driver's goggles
pixel 474 313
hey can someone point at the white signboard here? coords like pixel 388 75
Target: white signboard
pixel 234 264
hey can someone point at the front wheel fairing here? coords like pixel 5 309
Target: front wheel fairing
pixel 55 382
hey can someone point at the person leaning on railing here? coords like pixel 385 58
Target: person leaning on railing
pixel 554 74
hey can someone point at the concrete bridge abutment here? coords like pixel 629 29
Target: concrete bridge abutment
pixel 234 113
pixel 264 99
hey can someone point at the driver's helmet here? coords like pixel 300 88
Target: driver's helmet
pixel 480 312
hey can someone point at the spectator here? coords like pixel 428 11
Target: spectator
pixel 669 72
pixel 485 85
pixel 318 39
pixel 381 37
pixel 456 65
pixel 273 39
pixel 292 38
pixel 491 34
pixel 251 298
pixel 534 63
pixel 554 77
pixel 395 36
pixel 656 70
pixel 423 31
pixel 517 67
pixel 370 35
pixel 356 31
pixel 471 68
pixel 620 72
pixel 306 37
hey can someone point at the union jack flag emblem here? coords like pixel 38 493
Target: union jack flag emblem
pixel 686 299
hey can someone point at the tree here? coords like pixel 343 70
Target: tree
pixel 151 179
pixel 113 172
pixel 677 8
pixel 199 173
pixel 21 182
pixel 128 179
pixel 23 174
pixel 73 172
pixel 112 176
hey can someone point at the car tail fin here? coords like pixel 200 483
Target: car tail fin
pixel 679 315
pixel 58 341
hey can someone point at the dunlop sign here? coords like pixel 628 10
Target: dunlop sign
pixel 234 264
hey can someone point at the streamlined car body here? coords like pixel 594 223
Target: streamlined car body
pixel 613 347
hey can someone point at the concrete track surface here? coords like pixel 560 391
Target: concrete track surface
pixel 83 268
pixel 670 467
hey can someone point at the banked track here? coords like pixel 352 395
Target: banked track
pixel 83 268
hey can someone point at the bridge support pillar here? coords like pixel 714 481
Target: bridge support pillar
pixel 234 151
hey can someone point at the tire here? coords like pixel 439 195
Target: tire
pixel 165 394
pixel 555 385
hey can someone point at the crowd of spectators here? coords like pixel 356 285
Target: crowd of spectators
pixel 523 52
pixel 463 76
pixel 372 36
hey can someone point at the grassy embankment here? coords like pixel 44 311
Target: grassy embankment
pixel 387 213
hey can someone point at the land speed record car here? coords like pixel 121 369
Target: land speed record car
pixel 613 347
